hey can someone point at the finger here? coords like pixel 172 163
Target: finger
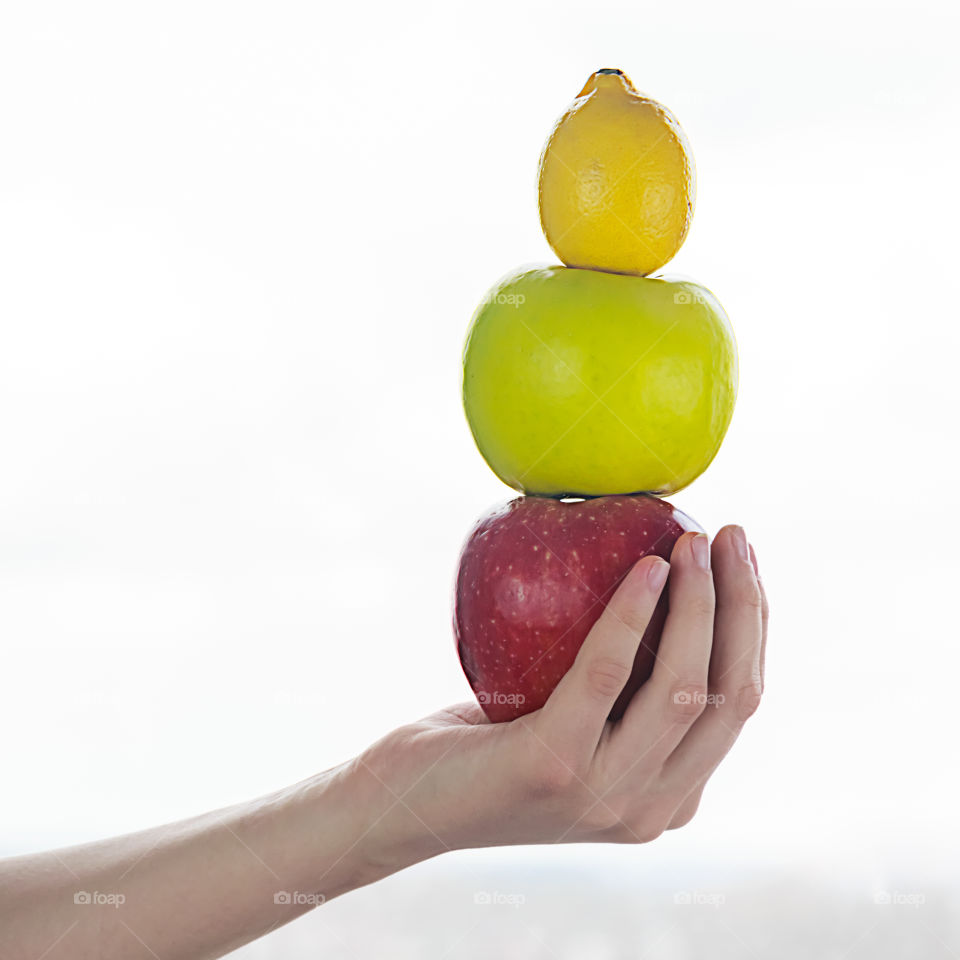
pixel 734 665
pixel 764 618
pixel 663 709
pixel 573 718
pixel 687 809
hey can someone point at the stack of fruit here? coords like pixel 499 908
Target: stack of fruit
pixel 593 389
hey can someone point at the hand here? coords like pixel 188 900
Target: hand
pixel 565 773
pixel 559 775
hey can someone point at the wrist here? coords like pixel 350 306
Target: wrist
pixel 347 827
pixel 305 836
pixel 390 831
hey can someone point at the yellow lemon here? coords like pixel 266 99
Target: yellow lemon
pixel 617 180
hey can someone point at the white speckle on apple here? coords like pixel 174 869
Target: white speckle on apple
pixel 535 547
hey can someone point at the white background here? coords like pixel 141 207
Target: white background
pixel 239 247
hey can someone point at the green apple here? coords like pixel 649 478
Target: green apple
pixel 581 382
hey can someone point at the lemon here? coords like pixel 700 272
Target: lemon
pixel 617 180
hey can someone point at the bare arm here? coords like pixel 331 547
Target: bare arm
pixel 194 889
pixel 202 887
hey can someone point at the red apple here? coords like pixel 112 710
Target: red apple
pixel 534 575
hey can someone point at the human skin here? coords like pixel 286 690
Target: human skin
pixel 202 887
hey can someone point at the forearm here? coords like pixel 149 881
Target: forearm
pixel 201 887
pixel 562 774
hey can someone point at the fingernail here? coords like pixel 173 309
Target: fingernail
pixel 657 574
pixel 740 542
pixel 701 550
pixel 753 560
